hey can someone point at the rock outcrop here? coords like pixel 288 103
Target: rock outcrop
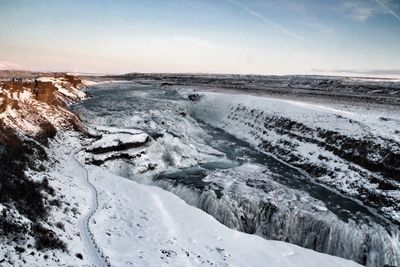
pixel 37 107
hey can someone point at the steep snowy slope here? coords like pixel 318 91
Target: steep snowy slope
pixel 357 153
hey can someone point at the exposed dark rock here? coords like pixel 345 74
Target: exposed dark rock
pixel 121 146
pixel 155 136
pixel 116 156
pixel 165 84
pixel 194 97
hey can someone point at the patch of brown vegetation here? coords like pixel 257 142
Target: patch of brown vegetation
pixel 46 92
pixel 48 131
pixel 8 136
pixel 42 91
pixel 74 81
pixel 7 102
pixel 10 87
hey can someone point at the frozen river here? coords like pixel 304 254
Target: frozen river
pixel 212 165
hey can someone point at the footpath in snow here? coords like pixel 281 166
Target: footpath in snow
pixel 94 251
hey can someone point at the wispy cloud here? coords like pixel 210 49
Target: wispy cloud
pixel 359 10
pixel 388 9
pixel 363 10
pixel 316 28
pixel 196 42
pixel 267 21
pixel 6 65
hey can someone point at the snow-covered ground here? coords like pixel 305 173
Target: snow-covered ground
pixel 130 224
pixel 141 225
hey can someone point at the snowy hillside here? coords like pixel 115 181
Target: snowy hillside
pixel 59 209
pixel 356 153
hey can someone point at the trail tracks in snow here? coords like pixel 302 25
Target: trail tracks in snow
pixel 93 249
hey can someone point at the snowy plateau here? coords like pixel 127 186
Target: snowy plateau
pixel 164 170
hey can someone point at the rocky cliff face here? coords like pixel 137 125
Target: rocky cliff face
pixel 37 107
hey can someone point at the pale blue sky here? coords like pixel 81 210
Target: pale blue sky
pixel 223 36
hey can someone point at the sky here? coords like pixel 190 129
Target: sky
pixel 201 36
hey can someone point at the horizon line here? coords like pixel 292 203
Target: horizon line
pixel 323 73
